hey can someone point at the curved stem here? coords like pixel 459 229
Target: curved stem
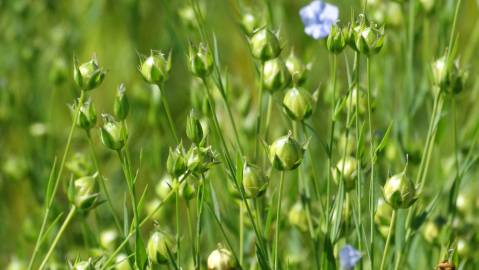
pixel 59 235
pixel 49 203
pixel 166 107
pixel 278 210
pixel 388 239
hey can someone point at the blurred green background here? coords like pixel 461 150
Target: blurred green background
pixel 38 40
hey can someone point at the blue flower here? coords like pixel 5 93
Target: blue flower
pixel 349 257
pixel 318 17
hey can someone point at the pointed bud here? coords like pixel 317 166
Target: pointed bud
pixel 399 191
pixel 158 246
pixel 175 164
pixel 80 165
pixel 369 39
pixel 155 69
pixel 121 105
pixel 347 168
pixel 194 130
pixel 113 134
pixel 221 259
pixel 264 45
pixel 187 190
pixel 298 103
pixel 255 181
pixel 286 153
pixel 296 68
pixel 275 75
pixel 200 60
pixel 83 192
pixel 448 78
pixel 200 159
pixel 336 40
pixel 382 217
pixel 87 115
pixel 88 75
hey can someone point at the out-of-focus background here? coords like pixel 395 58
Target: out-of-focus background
pixel 38 40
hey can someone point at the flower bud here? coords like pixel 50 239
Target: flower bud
pixel 175 164
pixel 382 217
pixel 432 229
pixel 187 190
pixel 427 5
pixel 250 22
pixel 155 69
pixel 450 79
pixel 80 165
pixel 369 39
pixel 221 259
pixel 463 248
pixel 297 217
pixel 200 159
pixel 336 40
pixel 164 187
pixel 264 45
pixel 255 181
pixel 158 246
pixel 348 168
pixel 121 262
pixel 200 60
pixel 121 105
pixel 298 103
pixel 275 75
pixel 286 153
pixel 465 203
pixel 83 192
pixel 194 130
pixel 113 134
pixel 296 68
pixel 88 75
pixel 352 100
pixel 399 191
pixel 84 265
pixel 188 17
pixel 87 115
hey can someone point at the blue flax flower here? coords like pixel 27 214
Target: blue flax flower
pixel 318 17
pixel 349 257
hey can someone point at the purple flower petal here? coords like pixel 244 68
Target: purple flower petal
pixel 318 17
pixel 349 257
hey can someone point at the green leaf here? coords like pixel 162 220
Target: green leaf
pixel 384 140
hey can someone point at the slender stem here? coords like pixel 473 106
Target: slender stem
pixel 199 212
pixel 372 160
pixel 102 182
pixel 260 112
pixel 57 181
pixel 58 236
pixel 278 210
pixel 331 135
pixel 388 239
pixel 358 141
pixel 177 214
pixel 166 107
pixel 241 233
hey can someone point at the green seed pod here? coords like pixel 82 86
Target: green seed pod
pixel 194 129
pixel 296 68
pixel 399 191
pixel 155 69
pixel 369 39
pixel 255 181
pixel 427 5
pixel 158 246
pixel 250 22
pixel 113 134
pixel 297 217
pixel 200 60
pixel 450 79
pixel 83 192
pixel 382 217
pixel 88 75
pixel 16 264
pixel 121 262
pixel 221 259
pixel 187 190
pixel 336 40
pixel 87 115
pixel 275 75
pixel 154 210
pixel 298 103
pixel 348 168
pixel 80 165
pixel 465 203
pixel 430 231
pixel 121 105
pixel 463 248
pixel 164 187
pixel 188 17
pixel 352 100
pixel 200 159
pixel 286 153
pixel 175 164
pixel 109 239
pixel 264 45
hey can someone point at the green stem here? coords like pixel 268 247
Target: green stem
pixel 102 182
pixel 49 203
pixel 58 236
pixel 166 107
pixel 388 239
pixel 177 214
pixel 260 113
pixel 241 233
pixel 358 141
pixel 199 213
pixel 373 160
pixel 278 213
pixel 331 135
